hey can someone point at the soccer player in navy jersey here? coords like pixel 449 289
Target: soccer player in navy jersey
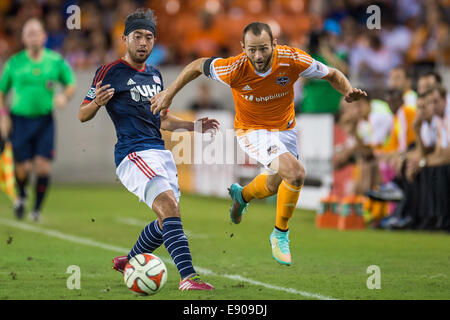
pixel 124 87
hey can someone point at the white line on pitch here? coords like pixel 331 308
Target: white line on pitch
pixel 93 243
pixel 143 223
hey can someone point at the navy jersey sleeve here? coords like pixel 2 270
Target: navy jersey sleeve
pixel 102 74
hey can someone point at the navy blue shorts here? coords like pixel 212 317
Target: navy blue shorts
pixel 32 137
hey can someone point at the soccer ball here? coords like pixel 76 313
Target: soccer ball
pixel 145 274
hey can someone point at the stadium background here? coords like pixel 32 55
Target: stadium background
pixel 86 221
pixel 191 29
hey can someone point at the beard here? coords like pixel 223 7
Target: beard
pixel 137 57
pixel 265 64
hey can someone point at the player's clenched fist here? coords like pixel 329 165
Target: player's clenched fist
pixel 103 94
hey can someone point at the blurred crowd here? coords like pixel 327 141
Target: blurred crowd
pixel 412 31
pixel 399 146
pixel 186 29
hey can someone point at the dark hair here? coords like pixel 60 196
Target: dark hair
pixel 140 19
pixel 442 91
pixel 375 41
pixel 315 37
pixel 406 71
pixel 431 73
pixel 141 13
pixel 257 28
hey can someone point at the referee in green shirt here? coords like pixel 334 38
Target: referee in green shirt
pixel 32 74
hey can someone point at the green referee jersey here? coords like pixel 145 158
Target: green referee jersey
pixel 34 82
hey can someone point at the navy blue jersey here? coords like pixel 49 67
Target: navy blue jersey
pixel 136 127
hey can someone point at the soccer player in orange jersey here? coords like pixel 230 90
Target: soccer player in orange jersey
pixel 261 79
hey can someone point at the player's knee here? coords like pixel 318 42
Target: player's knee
pixel 171 211
pixel 43 171
pixel 42 166
pixel 166 205
pixel 297 175
pixel 24 168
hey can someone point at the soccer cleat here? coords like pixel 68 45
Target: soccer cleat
pixel 19 208
pixel 35 216
pixel 238 206
pixel 279 240
pixel 194 283
pixel 387 192
pixel 119 263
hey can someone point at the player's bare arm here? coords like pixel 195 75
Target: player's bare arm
pixel 102 95
pixel 162 100
pixel 341 84
pixel 171 123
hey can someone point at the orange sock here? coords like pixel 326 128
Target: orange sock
pixel 257 188
pixel 286 201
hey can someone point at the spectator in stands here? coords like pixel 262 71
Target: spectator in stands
pixel 123 9
pixel 5 40
pixel 75 50
pixel 430 40
pixel 400 79
pixel 369 176
pixel 368 123
pixel 396 37
pixel 55 31
pixel 318 95
pixel 428 80
pixel 99 51
pixel 437 98
pixel 158 56
pixel 329 47
pixel 402 136
pixel 393 153
pixel 345 153
pixel 426 203
pixel 426 135
pixel 90 13
pixel 438 161
pixel 371 60
pixel 208 40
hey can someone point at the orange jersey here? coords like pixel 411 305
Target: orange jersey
pixel 402 133
pixel 266 101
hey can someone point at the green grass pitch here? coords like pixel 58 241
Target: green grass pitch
pixel 87 226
